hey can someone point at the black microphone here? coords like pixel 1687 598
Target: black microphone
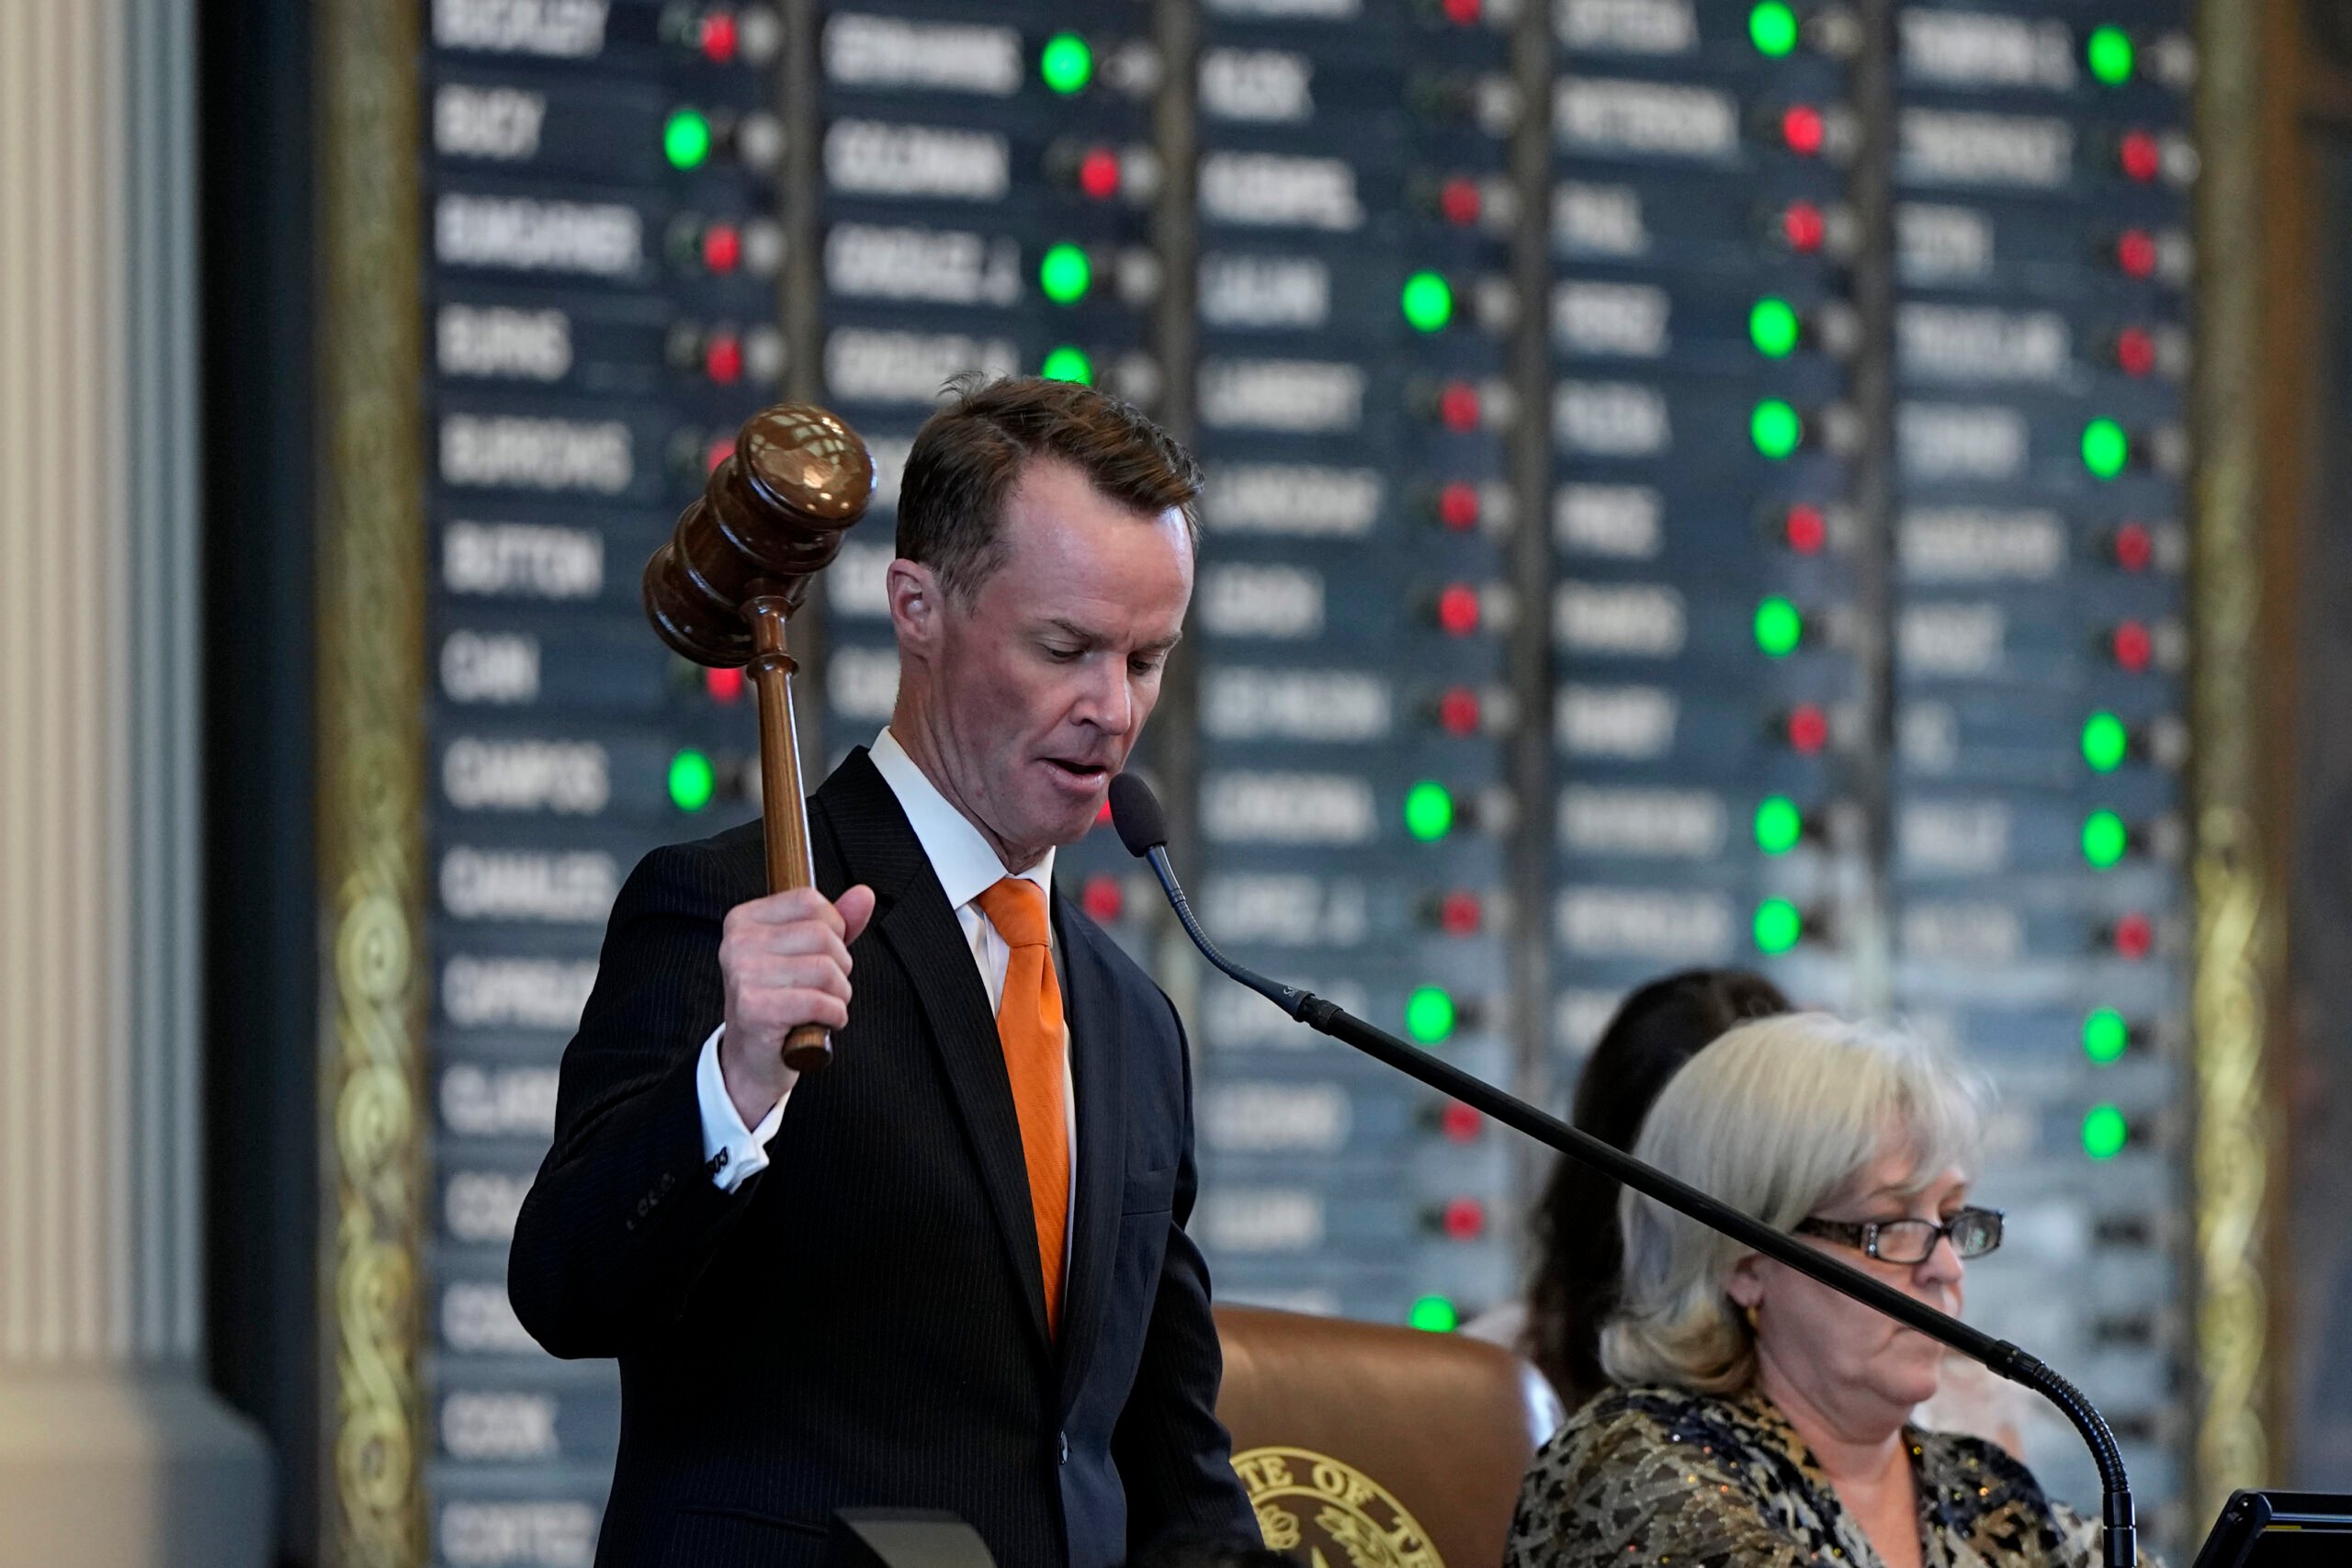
pixel 1143 829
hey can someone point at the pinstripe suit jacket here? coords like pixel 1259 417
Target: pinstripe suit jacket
pixel 862 1323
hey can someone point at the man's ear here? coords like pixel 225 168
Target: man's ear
pixel 917 603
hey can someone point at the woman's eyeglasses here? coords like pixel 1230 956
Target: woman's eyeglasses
pixel 1973 1233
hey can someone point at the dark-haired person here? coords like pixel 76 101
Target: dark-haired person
pixel 949 1271
pixel 1658 1028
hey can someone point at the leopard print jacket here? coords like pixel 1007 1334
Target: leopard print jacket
pixel 1656 1477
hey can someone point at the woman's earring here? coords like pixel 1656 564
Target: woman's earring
pixel 1749 1313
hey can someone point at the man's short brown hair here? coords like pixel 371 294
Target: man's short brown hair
pixel 970 455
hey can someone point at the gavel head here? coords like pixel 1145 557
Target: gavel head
pixel 770 518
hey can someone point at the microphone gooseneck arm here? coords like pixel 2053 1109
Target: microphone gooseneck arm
pixel 2011 1362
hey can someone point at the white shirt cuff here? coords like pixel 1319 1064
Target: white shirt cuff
pixel 745 1149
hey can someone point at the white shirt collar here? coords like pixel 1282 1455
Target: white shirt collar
pixel 959 857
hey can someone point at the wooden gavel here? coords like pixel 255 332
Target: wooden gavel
pixel 722 590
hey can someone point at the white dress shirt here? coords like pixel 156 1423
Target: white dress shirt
pixel 965 867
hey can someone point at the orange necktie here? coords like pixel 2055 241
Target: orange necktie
pixel 1029 1022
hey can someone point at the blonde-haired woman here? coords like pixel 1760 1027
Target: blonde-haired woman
pixel 1760 1418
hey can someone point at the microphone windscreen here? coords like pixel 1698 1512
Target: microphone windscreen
pixel 1136 812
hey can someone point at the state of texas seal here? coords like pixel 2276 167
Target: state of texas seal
pixel 1331 1512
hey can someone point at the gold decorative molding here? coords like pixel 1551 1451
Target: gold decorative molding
pixel 371 666
pixel 2238 940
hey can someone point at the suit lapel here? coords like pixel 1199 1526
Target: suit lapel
pixel 1098 1065
pixel 915 920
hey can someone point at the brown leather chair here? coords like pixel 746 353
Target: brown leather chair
pixel 1343 1429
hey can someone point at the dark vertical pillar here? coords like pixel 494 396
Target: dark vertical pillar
pixel 260 958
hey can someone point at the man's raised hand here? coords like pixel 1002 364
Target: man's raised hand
pixel 785 961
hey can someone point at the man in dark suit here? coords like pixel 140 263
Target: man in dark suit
pixel 950 1270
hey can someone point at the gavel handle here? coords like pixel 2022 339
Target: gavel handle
pixel 783 803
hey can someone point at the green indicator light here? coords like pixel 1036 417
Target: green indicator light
pixel 1773 328
pixel 1065 274
pixel 1773 29
pixel 2105 1132
pixel 1778 925
pixel 1779 824
pixel 2105 742
pixel 1067 364
pixel 1428 1015
pixel 1427 300
pixel 1779 627
pixel 1428 811
pixel 2104 839
pixel 1775 428
pixel 2105 448
pixel 685 139
pixel 2108 53
pixel 2105 1034
pixel 1065 63
pixel 1435 1315
pixel 692 781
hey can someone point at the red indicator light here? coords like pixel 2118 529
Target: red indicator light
pixel 2138 157
pixel 1806 530
pixel 1102 816
pixel 1802 129
pixel 1457 505
pixel 1459 200
pixel 1457 406
pixel 1098 174
pixel 1103 899
pixel 1807 728
pixel 2134 546
pixel 1459 914
pixel 722 358
pixel 1803 226
pixel 718 451
pixel 1465 1219
pixel 1458 610
pixel 1461 1124
pixel 720 37
pixel 1462 13
pixel 724 685
pixel 2135 253
pixel 2135 351
pixel 722 247
pixel 1458 710
pixel 2135 937
pixel 2132 647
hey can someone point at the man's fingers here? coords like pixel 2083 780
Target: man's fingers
pixel 784 942
pixel 846 919
pixel 769 1012
pixel 784 908
pixel 857 907
pixel 817 974
pixel 782 1011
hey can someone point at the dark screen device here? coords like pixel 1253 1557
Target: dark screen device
pixel 904 1538
pixel 2280 1529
